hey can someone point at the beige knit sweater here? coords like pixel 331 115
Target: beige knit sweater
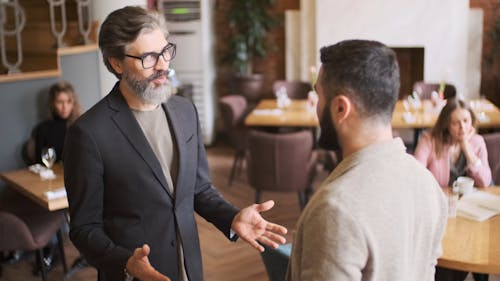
pixel 380 215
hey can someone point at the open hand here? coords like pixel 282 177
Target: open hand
pixel 138 266
pixel 252 227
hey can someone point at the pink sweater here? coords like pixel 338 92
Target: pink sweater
pixel 440 167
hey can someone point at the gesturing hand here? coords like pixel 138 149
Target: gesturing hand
pixel 138 266
pixel 251 227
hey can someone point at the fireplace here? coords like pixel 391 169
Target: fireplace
pixel 411 68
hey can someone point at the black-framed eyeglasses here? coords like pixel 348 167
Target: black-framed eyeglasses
pixel 150 59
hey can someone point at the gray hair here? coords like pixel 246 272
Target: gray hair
pixel 122 27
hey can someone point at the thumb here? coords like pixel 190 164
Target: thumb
pixel 142 252
pixel 264 206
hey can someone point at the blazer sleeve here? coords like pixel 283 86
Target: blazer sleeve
pixel 208 202
pixel 83 178
pixel 480 173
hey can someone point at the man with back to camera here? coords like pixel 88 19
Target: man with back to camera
pixel 136 169
pixel 380 215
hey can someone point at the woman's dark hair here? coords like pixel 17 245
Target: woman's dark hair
pixel 67 88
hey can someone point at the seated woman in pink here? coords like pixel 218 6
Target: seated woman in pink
pixel 453 148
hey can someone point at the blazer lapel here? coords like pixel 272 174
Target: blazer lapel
pixel 177 131
pixel 128 125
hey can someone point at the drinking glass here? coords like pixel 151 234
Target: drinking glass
pixel 48 157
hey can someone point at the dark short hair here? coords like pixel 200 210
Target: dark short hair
pixel 365 71
pixel 122 27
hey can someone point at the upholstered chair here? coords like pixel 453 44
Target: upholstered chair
pixel 233 109
pixel 283 162
pixel 425 89
pixel 493 147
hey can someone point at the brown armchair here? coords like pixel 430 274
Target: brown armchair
pixel 281 162
pixel 294 89
pixel 32 233
pixel 233 109
pixel 425 89
pixel 493 147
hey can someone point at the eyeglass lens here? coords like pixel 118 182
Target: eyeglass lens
pixel 151 59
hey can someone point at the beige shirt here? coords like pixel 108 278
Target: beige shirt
pixel 380 215
pixel 155 126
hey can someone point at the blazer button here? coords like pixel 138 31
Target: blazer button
pixel 172 243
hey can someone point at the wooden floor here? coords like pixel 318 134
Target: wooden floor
pixel 222 260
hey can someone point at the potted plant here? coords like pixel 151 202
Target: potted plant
pixel 249 23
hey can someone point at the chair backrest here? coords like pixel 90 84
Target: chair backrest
pixel 294 89
pixel 233 109
pixel 425 89
pixel 280 161
pixel 14 233
pixel 276 261
pixel 28 151
pixel 493 146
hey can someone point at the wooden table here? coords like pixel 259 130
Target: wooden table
pixel 32 186
pixel 299 114
pixel 472 246
pixel 425 116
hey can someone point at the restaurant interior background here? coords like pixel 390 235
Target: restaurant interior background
pixel 453 36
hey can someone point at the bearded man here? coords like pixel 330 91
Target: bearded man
pixel 136 169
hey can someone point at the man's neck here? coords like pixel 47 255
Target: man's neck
pixel 364 136
pixel 133 101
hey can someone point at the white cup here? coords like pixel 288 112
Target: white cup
pixel 463 185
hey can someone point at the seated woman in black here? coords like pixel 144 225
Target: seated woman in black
pixel 64 109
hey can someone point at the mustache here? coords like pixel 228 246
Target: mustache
pixel 158 74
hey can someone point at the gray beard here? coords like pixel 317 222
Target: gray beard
pixel 144 90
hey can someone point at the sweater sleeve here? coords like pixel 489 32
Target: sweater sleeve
pixel 424 149
pixel 480 172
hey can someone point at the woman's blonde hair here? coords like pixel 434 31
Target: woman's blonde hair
pixel 440 132
pixel 67 88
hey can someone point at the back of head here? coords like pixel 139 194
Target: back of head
pixel 122 27
pixel 365 71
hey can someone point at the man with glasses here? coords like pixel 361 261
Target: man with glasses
pixel 136 169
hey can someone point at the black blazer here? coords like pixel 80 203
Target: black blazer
pixel 118 195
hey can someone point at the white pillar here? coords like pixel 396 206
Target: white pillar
pixel 100 10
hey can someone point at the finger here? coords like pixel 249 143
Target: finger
pixel 145 249
pixel 268 242
pixel 264 206
pixel 276 228
pixel 254 244
pixel 275 237
pixel 157 276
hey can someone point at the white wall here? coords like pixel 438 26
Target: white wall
pixel 100 10
pixel 440 27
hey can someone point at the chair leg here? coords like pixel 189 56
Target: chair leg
pixel 257 196
pixel 61 250
pixel 233 169
pixel 302 199
pixel 40 261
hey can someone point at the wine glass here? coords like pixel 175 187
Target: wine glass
pixel 48 157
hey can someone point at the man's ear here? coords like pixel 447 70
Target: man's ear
pixel 116 64
pixel 341 107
